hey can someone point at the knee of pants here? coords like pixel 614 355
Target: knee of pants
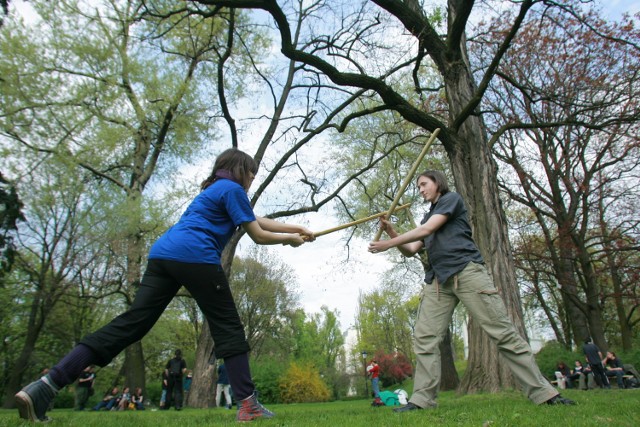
pixel 426 345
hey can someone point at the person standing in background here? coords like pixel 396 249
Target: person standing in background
pixel 374 373
pixel 164 385
pixel 594 357
pixel 175 368
pixel 187 385
pixel 84 387
pixel 222 386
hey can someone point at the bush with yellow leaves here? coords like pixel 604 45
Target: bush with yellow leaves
pixel 302 383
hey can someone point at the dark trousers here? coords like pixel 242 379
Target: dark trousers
pixel 82 396
pixel 619 377
pixel 599 375
pixel 174 391
pixel 207 284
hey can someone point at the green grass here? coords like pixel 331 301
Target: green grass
pixel 595 408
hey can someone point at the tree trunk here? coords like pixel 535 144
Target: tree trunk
pixel 134 355
pixel 449 378
pixel 569 288
pixel 37 317
pixel 202 390
pixel 476 180
pixel 15 381
pixel 626 334
pixel 134 376
pixel 592 290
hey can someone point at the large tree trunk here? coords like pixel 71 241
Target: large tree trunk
pixel 134 376
pixel 133 355
pixel 14 383
pixel 626 333
pixel 476 180
pixel 565 272
pixel 202 390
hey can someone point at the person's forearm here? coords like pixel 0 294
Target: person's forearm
pixel 276 226
pixel 401 241
pixel 265 237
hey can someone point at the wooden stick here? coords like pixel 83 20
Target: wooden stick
pixel 408 179
pixel 359 221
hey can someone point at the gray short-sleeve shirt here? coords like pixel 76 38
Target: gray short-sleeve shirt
pixel 451 247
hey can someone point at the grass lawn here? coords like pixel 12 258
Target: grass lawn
pixel 594 408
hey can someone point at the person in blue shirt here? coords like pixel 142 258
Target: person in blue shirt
pixel 457 273
pixel 189 255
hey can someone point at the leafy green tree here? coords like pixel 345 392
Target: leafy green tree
pixel 266 373
pixel 386 316
pixel 264 290
pixel 109 90
pixel 55 245
pixel 565 116
pixel 318 342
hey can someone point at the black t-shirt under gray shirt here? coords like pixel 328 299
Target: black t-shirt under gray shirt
pixel 451 247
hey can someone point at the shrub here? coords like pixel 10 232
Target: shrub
pixel 65 398
pixel 266 375
pixel 302 384
pixel 394 368
pixel 552 353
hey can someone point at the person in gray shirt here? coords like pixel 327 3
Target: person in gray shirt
pixel 457 274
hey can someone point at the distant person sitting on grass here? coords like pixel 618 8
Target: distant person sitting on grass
pixel 138 399
pixel 614 368
pixel 124 399
pixel 109 400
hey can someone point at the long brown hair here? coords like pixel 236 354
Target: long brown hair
pixel 238 163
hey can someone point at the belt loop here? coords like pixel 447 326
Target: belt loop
pixel 437 289
pixel 455 282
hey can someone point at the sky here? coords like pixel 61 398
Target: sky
pixel 615 8
pixel 328 272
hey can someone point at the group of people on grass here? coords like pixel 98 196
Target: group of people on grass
pixel 174 389
pixel 596 372
pixel 113 400
pixel 189 255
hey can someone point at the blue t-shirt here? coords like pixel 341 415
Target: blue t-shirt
pixel 206 226
pixel 451 247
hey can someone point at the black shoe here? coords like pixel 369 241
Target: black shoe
pixel 408 407
pixel 34 400
pixel 559 400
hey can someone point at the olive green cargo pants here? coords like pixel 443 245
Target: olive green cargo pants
pixel 474 288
